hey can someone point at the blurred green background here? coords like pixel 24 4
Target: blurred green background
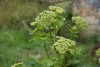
pixel 14 36
pixel 15 19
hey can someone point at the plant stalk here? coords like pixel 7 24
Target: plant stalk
pixel 46 50
pixel 53 41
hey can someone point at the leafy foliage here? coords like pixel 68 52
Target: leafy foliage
pixel 48 22
pixel 79 23
pixel 45 30
pixel 47 25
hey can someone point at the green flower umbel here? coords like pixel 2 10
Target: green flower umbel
pixel 80 22
pixel 50 18
pixel 57 9
pixel 63 45
pixel 98 54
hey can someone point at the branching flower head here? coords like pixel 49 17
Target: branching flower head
pixel 50 18
pixel 57 9
pixel 80 22
pixel 98 54
pixel 63 45
pixel 48 22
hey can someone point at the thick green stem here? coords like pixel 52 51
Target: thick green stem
pixel 46 50
pixel 54 41
pixel 50 36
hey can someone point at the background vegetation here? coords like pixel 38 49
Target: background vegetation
pixel 15 46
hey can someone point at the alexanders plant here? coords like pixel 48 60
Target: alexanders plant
pixel 46 26
pixel 51 20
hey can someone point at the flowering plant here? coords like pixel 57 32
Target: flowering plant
pixel 47 25
pixel 66 53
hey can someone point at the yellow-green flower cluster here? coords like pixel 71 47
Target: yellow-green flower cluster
pixel 98 52
pixel 33 23
pixel 63 45
pixel 50 18
pixel 80 22
pixel 56 9
pixel 46 18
